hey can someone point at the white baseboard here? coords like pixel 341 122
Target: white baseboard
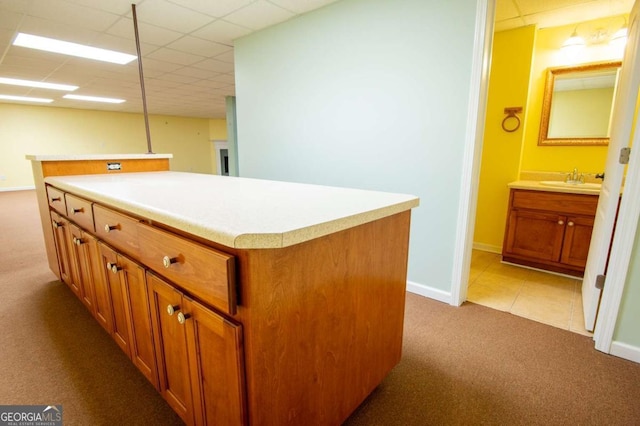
pixel 623 350
pixel 17 188
pixel 487 247
pixel 430 292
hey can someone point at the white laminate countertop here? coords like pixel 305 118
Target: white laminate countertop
pixel 537 186
pixel 81 157
pixel 237 212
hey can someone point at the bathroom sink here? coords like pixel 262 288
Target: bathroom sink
pixel 561 184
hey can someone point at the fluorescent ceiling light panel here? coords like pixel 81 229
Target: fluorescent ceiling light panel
pixel 73 49
pixel 25 99
pixel 39 84
pixel 94 99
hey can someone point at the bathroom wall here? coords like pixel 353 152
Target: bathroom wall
pixel 26 129
pixel 508 87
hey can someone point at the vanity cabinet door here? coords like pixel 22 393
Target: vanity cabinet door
pixel 576 240
pixel 102 311
pixel 84 275
pixel 535 234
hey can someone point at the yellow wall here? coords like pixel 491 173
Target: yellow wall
pixel 26 129
pixel 508 85
pixel 547 53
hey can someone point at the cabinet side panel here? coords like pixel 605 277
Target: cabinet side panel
pixel 323 322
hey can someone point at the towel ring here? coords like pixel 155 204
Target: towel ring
pixel 511 113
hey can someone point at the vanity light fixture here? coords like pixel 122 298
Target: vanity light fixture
pixel 25 99
pixel 72 49
pixel 574 42
pixel 38 84
pixel 619 38
pixel 94 99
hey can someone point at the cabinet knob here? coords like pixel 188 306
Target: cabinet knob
pixel 54 199
pixel 113 267
pixel 570 224
pixel 77 241
pixel 182 318
pixel 172 309
pixel 57 225
pixel 80 210
pixel 167 261
pixel 561 222
pixel 109 228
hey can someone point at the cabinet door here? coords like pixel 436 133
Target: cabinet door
pixel 576 240
pixel 102 299
pixel 84 276
pixel 120 327
pixel 216 362
pixel 62 240
pixel 171 347
pixel 534 234
pixel 136 299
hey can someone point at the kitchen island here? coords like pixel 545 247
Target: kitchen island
pixel 242 301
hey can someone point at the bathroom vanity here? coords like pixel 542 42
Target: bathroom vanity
pixel 242 301
pixel 549 227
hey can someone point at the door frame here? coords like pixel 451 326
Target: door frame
pixel 624 237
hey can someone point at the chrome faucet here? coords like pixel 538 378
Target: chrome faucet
pixel 575 177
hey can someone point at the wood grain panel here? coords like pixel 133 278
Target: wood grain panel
pixel 91 167
pixel 56 200
pixel 80 211
pixel 557 202
pixel 323 322
pixel 119 230
pixel 205 273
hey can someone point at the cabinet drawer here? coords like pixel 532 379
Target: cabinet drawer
pixel 79 210
pixel 56 200
pixel 117 229
pixel 202 271
pixel 555 201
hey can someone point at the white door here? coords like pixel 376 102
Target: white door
pixel 621 131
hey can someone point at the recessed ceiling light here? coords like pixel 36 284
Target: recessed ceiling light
pixel 25 99
pixel 94 99
pixel 39 84
pixel 73 49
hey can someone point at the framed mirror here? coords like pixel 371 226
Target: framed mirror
pixel 577 104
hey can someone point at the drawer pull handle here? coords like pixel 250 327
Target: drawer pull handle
pixel 54 199
pixel 182 318
pixel 561 222
pixel 172 309
pixel 77 241
pixel 570 224
pixel 57 225
pixel 108 228
pixel 80 210
pixel 113 267
pixel 167 261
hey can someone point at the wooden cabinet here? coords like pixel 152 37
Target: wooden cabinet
pixel 200 358
pixel 549 230
pixel 63 249
pixel 83 273
pixel 130 305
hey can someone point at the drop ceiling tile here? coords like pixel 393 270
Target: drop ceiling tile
pixel 9 20
pixel 198 46
pixel 506 9
pixel 195 72
pixel 567 15
pixel 70 14
pixel 58 30
pixel 214 65
pixel 210 84
pixel 508 24
pixel 175 56
pixel 301 6
pixel 119 44
pixel 529 7
pixel 156 65
pixel 176 78
pixel 20 6
pixel 217 8
pixel 168 15
pixel 34 65
pixel 259 15
pixel 221 31
pixel 118 7
pixel 224 78
pixel 226 57
pixel 150 34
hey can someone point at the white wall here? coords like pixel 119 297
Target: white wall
pixel 370 94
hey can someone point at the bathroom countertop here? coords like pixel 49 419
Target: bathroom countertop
pixel 537 186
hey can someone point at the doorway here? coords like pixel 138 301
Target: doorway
pixel 221 152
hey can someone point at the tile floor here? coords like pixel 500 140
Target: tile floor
pixel 539 296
